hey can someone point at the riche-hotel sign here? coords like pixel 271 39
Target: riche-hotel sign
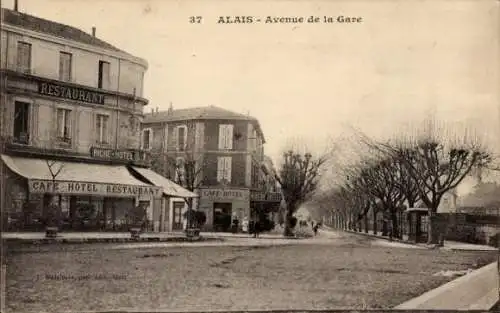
pixel 70 93
pixel 124 155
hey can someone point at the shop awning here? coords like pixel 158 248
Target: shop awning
pixel 169 187
pixel 78 178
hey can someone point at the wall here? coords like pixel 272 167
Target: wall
pixel 212 134
pixel 85 64
pixel 45 64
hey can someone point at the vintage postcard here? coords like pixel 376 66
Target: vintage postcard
pixel 249 156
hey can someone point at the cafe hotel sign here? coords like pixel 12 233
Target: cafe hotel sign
pixel 70 93
pixel 84 188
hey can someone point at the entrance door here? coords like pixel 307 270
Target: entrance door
pixel 177 215
pixel 222 216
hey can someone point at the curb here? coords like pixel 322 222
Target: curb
pixel 48 241
pixel 381 237
pixel 423 245
pixel 453 291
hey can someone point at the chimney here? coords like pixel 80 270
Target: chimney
pixel 93 31
pixel 16 6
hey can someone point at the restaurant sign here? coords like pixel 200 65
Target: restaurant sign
pixel 84 188
pixel 111 154
pixel 70 93
pixel 225 194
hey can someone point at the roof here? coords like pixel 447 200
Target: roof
pixel 52 28
pixel 198 113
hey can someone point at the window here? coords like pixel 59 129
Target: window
pixel 225 136
pixel 103 81
pixel 65 66
pixel 64 125
pixel 179 171
pixel 24 57
pixel 21 122
pixel 224 169
pixel 147 135
pixel 181 138
pixel 102 128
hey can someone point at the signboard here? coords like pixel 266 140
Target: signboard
pixel 225 194
pixel 71 93
pixel 265 196
pixel 111 154
pixel 84 188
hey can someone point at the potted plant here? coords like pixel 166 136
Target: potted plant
pixel 137 219
pixel 195 220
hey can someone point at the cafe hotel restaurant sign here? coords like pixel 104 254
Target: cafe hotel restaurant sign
pixel 85 188
pixel 70 93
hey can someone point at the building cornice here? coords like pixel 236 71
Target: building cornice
pixel 76 44
pixel 11 73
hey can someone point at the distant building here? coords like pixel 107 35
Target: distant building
pixel 227 150
pixel 72 101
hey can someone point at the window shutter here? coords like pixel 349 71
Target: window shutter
pixel 229 136
pixel 60 121
pixel 185 138
pixel 165 143
pixel 174 137
pixel 150 138
pixel 227 168
pixel 105 137
pixel 69 122
pixel 220 168
pixel 97 131
pixel 222 134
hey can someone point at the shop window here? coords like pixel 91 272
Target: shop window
pixel 24 57
pixel 224 169
pixel 102 128
pixel 21 122
pixel 65 60
pixel 64 125
pixel 104 80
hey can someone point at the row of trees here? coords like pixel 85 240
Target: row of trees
pixel 387 177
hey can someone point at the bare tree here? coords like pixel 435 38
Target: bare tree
pixel 298 177
pixel 435 160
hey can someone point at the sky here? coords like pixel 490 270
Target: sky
pixel 406 60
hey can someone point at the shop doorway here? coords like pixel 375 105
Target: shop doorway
pixel 177 215
pixel 222 216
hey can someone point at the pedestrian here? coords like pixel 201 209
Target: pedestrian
pixel 315 229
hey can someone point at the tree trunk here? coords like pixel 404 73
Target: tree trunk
pixel 395 224
pixel 375 222
pixel 288 227
pixel 365 219
pixel 432 228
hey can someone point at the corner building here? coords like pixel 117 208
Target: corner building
pixel 71 108
pixel 228 151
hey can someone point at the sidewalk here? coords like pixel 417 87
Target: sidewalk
pixel 448 245
pixel 477 290
pixel 97 237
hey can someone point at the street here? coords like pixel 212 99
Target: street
pixel 331 271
